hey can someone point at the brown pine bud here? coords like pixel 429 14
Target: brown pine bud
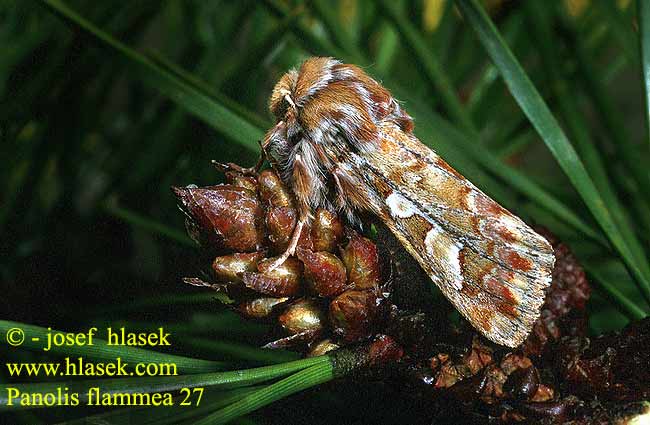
pixel 212 221
pixel 262 307
pixel 362 262
pixel 230 268
pixel 280 222
pixel 352 314
pixel 322 347
pixel 304 241
pixel 302 316
pixel 283 281
pixel 272 190
pixel 324 272
pixel 240 180
pixel 327 231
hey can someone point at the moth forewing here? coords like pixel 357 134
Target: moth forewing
pixel 488 262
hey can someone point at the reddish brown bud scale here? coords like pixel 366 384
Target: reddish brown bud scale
pixel 283 281
pixel 303 315
pixel 352 314
pixel 212 220
pixel 305 240
pixel 280 222
pixel 362 262
pixel 324 272
pixel 272 190
pixel 327 231
pixel 240 180
pixel 230 268
pixel 260 308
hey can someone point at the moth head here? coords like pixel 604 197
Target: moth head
pixel 296 87
pixel 327 94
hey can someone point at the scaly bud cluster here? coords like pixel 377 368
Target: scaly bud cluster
pixel 329 294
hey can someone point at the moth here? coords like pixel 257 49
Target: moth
pixel 342 142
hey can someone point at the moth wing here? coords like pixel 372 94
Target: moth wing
pixel 486 261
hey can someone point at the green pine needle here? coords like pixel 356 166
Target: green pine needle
pixel 310 377
pixel 643 12
pixel 541 117
pixel 185 95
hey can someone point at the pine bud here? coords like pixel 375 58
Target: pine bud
pixel 327 231
pixel 210 218
pixel 302 316
pixel 352 314
pixel 362 262
pixel 272 191
pixel 230 268
pixel 280 222
pixel 324 272
pixel 283 281
pixel 260 308
pixel 240 180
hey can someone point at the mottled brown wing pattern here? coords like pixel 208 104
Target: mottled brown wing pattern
pixel 489 263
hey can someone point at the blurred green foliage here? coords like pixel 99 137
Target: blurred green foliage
pixel 105 105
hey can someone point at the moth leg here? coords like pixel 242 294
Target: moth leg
pixel 305 186
pixel 293 244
